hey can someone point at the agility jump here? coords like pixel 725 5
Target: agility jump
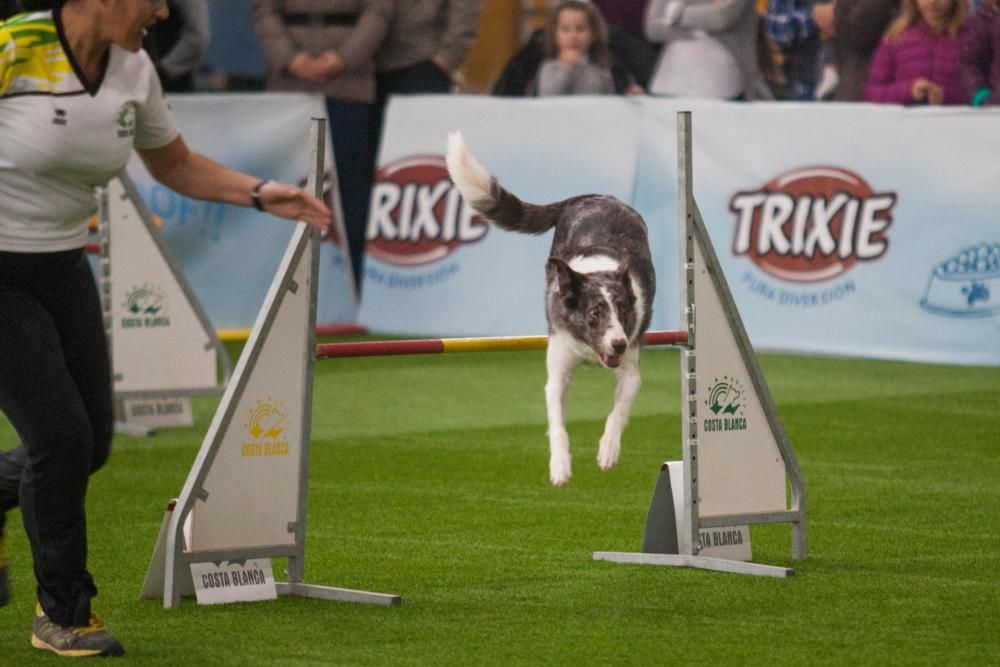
pixel 163 347
pixel 738 467
pixel 384 348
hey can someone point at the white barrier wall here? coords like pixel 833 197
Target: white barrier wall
pixel 906 200
pixel 846 229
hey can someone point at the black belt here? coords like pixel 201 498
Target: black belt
pixel 320 19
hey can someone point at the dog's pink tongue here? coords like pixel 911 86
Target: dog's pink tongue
pixel 611 360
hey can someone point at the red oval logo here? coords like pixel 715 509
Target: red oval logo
pixel 417 215
pixel 812 224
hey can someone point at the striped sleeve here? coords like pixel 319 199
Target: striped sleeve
pixel 31 58
pixel 6 58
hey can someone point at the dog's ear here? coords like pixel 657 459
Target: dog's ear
pixel 623 274
pixel 567 280
pixel 624 265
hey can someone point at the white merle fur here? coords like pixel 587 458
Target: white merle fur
pixel 599 287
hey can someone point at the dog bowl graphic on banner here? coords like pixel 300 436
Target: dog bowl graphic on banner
pixel 812 224
pixel 417 215
pixel 967 284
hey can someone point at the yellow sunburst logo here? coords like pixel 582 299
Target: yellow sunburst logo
pixel 267 419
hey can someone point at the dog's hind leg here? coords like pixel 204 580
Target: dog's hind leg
pixel 560 363
pixel 628 386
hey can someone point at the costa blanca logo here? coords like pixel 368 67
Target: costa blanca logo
pixel 145 306
pixel 966 284
pixel 725 401
pixel 126 120
pixel 417 216
pixel 266 427
pixel 812 224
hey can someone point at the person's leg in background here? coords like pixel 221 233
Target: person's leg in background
pixel 422 78
pixel 354 154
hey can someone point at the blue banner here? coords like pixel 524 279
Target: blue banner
pixel 230 253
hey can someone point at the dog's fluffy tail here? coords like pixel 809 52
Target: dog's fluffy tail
pixel 489 199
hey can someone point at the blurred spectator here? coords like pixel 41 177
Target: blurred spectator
pixel 427 43
pixel 629 47
pixel 328 47
pixel 577 57
pixel 791 26
pixel 710 49
pixel 630 65
pixel 627 14
pixel 917 61
pixel 770 60
pixel 859 26
pixel 630 50
pixel 980 56
pixel 828 76
pixel 178 43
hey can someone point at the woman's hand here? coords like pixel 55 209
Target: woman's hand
pixel 194 175
pixel 288 201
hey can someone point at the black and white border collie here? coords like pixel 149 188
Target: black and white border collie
pixel 599 284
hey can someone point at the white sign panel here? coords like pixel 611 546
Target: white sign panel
pixel 729 542
pixel 257 467
pixel 158 412
pixel 158 341
pixel 233 581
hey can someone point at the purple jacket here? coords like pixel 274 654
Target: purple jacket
pixel 980 59
pixel 919 53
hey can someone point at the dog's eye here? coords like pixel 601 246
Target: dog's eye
pixel 594 314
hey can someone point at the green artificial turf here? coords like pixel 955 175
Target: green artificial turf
pixel 429 479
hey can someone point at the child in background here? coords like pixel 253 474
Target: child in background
pixel 577 58
pixel 980 59
pixel 917 61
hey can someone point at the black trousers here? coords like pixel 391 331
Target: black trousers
pixel 354 151
pixel 422 78
pixel 55 388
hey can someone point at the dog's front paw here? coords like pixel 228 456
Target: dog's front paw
pixel 607 454
pixel 560 469
pixel 560 463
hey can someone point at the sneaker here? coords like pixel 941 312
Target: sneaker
pixel 74 642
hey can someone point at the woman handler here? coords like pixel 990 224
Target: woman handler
pixel 77 94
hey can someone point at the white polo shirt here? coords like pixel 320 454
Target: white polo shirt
pixel 60 139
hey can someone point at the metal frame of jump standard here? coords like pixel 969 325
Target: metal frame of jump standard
pixel 737 471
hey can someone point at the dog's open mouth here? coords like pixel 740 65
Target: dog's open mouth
pixel 611 360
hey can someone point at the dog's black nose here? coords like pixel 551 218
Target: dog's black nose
pixel 619 346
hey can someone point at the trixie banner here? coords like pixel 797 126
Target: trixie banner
pixel 844 229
